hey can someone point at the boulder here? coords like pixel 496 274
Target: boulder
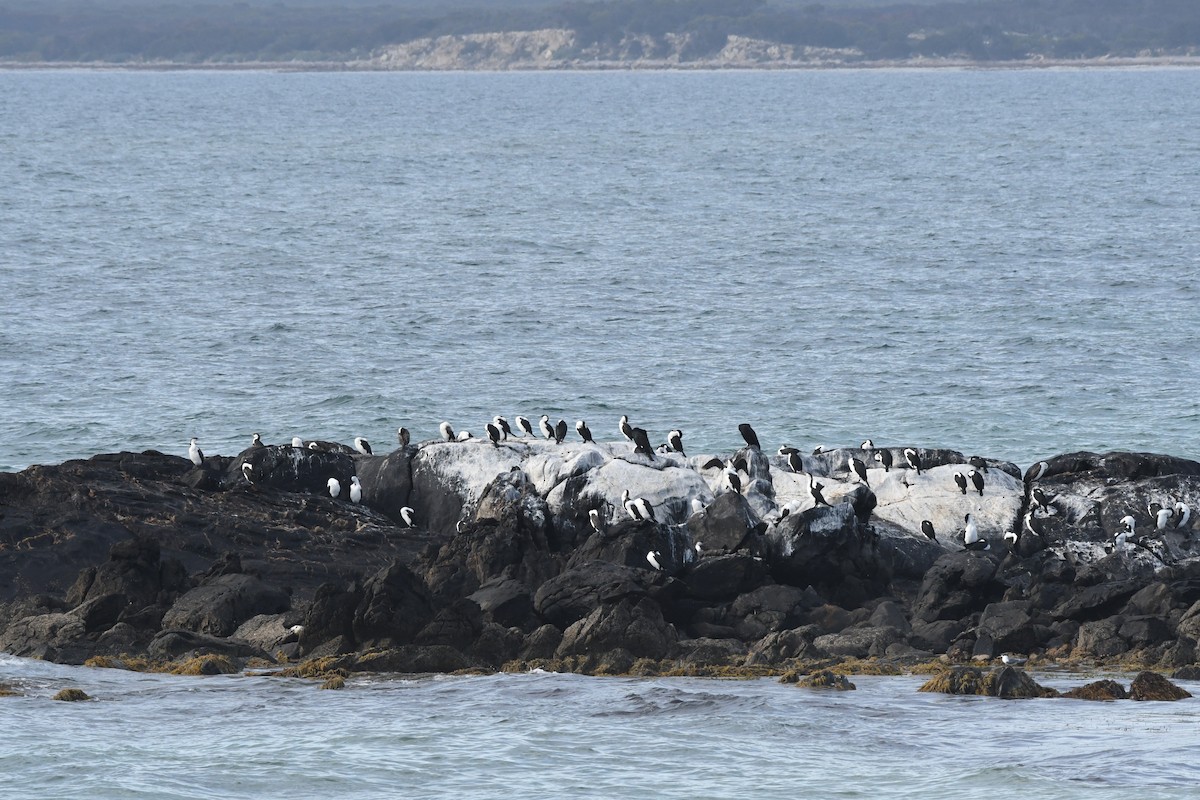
pixel 395 606
pixel 826 548
pixel 859 642
pixel 775 648
pixel 1152 686
pixel 958 584
pixel 633 624
pixel 715 578
pixel 727 525
pixel 1004 682
pixel 42 636
pixel 220 606
pixel 291 469
pixel 1011 628
pixel 1098 690
pixel 172 643
pixel 330 616
pixel 577 592
pixel 506 602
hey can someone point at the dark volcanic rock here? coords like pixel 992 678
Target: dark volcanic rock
pixel 826 548
pixel 577 592
pixel 631 624
pixel 727 524
pixel 1098 690
pixel 1004 682
pixel 220 606
pixel 395 606
pixel 725 577
pixel 957 584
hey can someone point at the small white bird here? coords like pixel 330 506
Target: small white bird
pixel 697 506
pixel 406 514
pixel 355 490
pixel 971 538
pixel 195 454
pixel 362 445
pixel 297 442
pixel 335 487
pixel 1011 660
pixel 653 557
pixel 447 431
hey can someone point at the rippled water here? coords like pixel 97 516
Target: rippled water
pixel 1003 262
pixel 549 735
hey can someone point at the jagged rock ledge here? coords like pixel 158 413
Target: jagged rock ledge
pixel 144 556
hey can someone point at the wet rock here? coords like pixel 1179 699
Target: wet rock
pixel 709 652
pixel 775 648
pixel 457 626
pixel 859 642
pixel 1101 639
pixel 1011 628
pixel 725 577
pixel 102 612
pixel 506 602
pixel 957 585
pixel 577 592
pixel 1096 602
pixel 220 606
pixel 825 679
pixel 42 636
pixel 291 469
pixel 173 643
pixel 633 624
pixel 1004 682
pixel 827 548
pixel 71 695
pixel 269 632
pixel 1098 690
pixel 936 636
pixel 395 606
pixel 1152 686
pixel 331 616
pixel 541 643
pixel 727 525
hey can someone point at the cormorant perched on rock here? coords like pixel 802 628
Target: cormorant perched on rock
pixel 560 431
pixel 1183 515
pixel 355 490
pixel 625 428
pixel 584 432
pixel 815 490
pixel 653 557
pixel 1036 471
pixel 1038 499
pixel 971 537
pixel 927 529
pixel 526 428
pixel 978 463
pixel 867 445
pixel 795 461
pixel 976 480
pixel 859 469
pixel 362 445
pixel 493 432
pixel 545 427
pixel 335 487
pixel 961 480
pixel 406 514
pixel 749 435
pixel 884 457
pixel 735 480
pixel 596 521
pixel 257 441
pixel 403 436
pixel 195 454
pixel 913 458
pixel 447 431
pixel 642 441
pixel 675 439
pixel 505 428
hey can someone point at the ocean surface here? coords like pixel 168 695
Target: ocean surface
pixel 1002 262
pixel 567 736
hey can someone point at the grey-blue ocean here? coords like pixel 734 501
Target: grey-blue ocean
pixel 1001 262
pixel 569 736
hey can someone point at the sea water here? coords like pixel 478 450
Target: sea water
pixel 568 736
pixel 1003 262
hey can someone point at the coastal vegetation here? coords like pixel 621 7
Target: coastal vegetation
pixel 80 31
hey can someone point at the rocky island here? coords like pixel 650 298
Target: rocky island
pixel 600 557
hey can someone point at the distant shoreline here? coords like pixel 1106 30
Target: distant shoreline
pixel 610 66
